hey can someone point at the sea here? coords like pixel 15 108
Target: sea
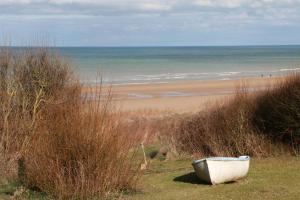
pixel 151 65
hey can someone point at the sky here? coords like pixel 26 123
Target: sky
pixel 150 22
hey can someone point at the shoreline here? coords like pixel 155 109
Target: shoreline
pixel 180 96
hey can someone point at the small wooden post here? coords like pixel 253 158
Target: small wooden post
pixel 144 165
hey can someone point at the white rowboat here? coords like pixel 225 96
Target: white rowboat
pixel 218 170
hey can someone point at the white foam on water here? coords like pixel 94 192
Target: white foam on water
pixel 289 69
pixel 168 77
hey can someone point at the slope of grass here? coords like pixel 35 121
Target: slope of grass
pixel 273 178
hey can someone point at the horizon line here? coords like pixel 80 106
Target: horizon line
pixel 149 46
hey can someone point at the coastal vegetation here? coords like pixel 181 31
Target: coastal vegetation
pixel 260 124
pixel 269 178
pixel 53 138
pixel 61 140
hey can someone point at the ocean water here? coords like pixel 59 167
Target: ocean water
pixel 142 65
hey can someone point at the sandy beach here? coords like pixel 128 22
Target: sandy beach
pixel 188 96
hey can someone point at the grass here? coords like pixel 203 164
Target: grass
pixel 272 178
pixel 7 192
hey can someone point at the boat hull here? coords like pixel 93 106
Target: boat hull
pixel 221 170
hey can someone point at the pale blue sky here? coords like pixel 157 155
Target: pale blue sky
pixel 151 22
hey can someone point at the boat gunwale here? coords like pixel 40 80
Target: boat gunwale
pixel 223 159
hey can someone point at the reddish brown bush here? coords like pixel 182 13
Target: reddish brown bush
pixel 224 130
pixel 64 144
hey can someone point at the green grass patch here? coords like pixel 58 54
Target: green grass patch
pixel 14 189
pixel 273 178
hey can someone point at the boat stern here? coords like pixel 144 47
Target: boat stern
pixel 201 170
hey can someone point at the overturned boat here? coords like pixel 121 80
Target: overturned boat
pixel 216 170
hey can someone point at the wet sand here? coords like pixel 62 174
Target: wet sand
pixel 188 96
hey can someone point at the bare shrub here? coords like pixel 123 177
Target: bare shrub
pixel 30 79
pixel 57 140
pixel 259 124
pixel 223 130
pixel 277 114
